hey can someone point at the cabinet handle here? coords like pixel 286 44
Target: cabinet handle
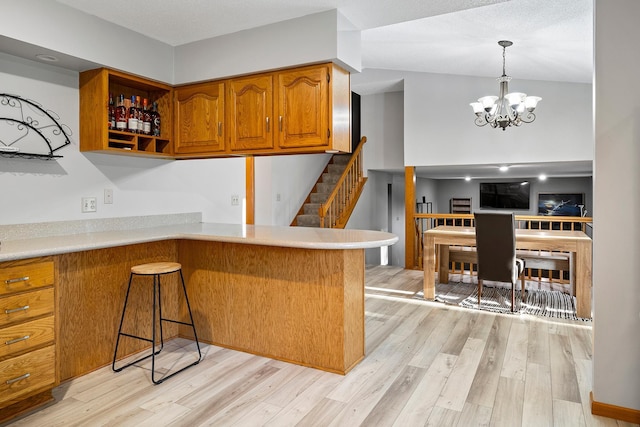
pixel 24 338
pixel 219 128
pixel 21 377
pixel 280 123
pixel 17 279
pixel 14 310
pixel 268 125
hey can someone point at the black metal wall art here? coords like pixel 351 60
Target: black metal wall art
pixel 28 130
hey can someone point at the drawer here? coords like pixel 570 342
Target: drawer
pixel 26 336
pixel 23 375
pixel 25 306
pixel 23 276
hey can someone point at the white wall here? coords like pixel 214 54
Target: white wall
pixel 439 127
pixel 382 122
pixel 289 178
pixel 616 352
pixel 52 25
pixel 42 191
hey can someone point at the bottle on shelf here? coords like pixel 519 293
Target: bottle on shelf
pixel 121 114
pixel 111 113
pixel 155 120
pixel 140 116
pixel 133 116
pixel 146 118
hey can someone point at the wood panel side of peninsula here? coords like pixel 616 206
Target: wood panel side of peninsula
pixel 304 306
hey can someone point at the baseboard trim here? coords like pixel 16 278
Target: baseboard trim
pixel 612 411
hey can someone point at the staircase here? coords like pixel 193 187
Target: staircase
pixel 335 194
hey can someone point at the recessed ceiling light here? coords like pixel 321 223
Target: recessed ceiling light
pixel 524 182
pixel 542 177
pixel 47 58
pixel 467 178
pixel 504 168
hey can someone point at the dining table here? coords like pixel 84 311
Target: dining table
pixel 438 239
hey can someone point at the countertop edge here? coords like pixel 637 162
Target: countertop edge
pixel 301 239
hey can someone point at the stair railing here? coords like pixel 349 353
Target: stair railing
pixel 332 211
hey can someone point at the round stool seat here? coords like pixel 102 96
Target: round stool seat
pixel 156 268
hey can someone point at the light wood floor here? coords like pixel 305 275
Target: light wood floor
pixel 426 364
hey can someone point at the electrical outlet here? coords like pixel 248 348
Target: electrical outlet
pixel 89 204
pixel 108 196
pixel 277 197
pixel 235 200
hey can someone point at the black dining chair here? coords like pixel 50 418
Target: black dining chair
pixel 496 246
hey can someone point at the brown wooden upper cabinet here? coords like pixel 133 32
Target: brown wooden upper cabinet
pixel 199 118
pixel 250 113
pixel 293 111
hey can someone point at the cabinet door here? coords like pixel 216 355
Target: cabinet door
pixel 303 108
pixel 199 111
pixel 250 113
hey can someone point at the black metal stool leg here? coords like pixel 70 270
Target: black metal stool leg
pixel 124 308
pixel 156 318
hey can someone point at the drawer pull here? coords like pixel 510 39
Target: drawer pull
pixel 15 310
pixel 17 279
pixel 21 377
pixel 24 338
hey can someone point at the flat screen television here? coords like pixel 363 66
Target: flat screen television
pixel 504 195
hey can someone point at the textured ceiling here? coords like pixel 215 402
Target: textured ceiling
pixel 552 38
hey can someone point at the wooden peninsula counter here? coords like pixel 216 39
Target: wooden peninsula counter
pixel 290 293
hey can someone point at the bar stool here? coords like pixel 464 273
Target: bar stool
pixel 155 269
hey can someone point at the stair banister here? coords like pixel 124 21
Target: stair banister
pixel 340 196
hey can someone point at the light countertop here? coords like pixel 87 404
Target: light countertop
pixel 293 237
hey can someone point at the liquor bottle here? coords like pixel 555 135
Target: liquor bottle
pixel 155 120
pixel 146 118
pixel 133 116
pixel 111 113
pixel 121 114
pixel 140 116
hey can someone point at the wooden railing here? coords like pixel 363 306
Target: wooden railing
pixel 335 211
pixel 424 222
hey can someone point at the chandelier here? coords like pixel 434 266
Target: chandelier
pixel 508 109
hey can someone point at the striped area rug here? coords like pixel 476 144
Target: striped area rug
pixel 553 304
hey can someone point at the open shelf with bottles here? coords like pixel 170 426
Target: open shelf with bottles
pixel 95 134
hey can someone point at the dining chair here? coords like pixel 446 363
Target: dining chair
pixel 496 246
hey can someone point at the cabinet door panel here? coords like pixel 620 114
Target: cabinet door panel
pixel 303 108
pixel 199 111
pixel 251 113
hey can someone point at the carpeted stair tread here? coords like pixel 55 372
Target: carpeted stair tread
pixel 308 220
pixel 311 208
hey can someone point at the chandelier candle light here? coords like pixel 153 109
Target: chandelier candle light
pixel 508 109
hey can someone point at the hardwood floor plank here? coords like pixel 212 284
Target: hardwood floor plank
pixel 474 415
pixel 424 355
pixel 568 413
pixel 538 345
pixel 423 399
pixel 392 402
pixel 507 410
pixel 537 407
pixel 456 390
pixel 515 358
pixel 564 382
pixel 443 417
pixel 320 416
pixel 458 337
pixel 485 382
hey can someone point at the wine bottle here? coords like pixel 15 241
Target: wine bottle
pixel 140 116
pixel 111 113
pixel 121 114
pixel 146 118
pixel 133 116
pixel 155 120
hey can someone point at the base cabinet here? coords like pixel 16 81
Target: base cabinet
pixel 27 330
